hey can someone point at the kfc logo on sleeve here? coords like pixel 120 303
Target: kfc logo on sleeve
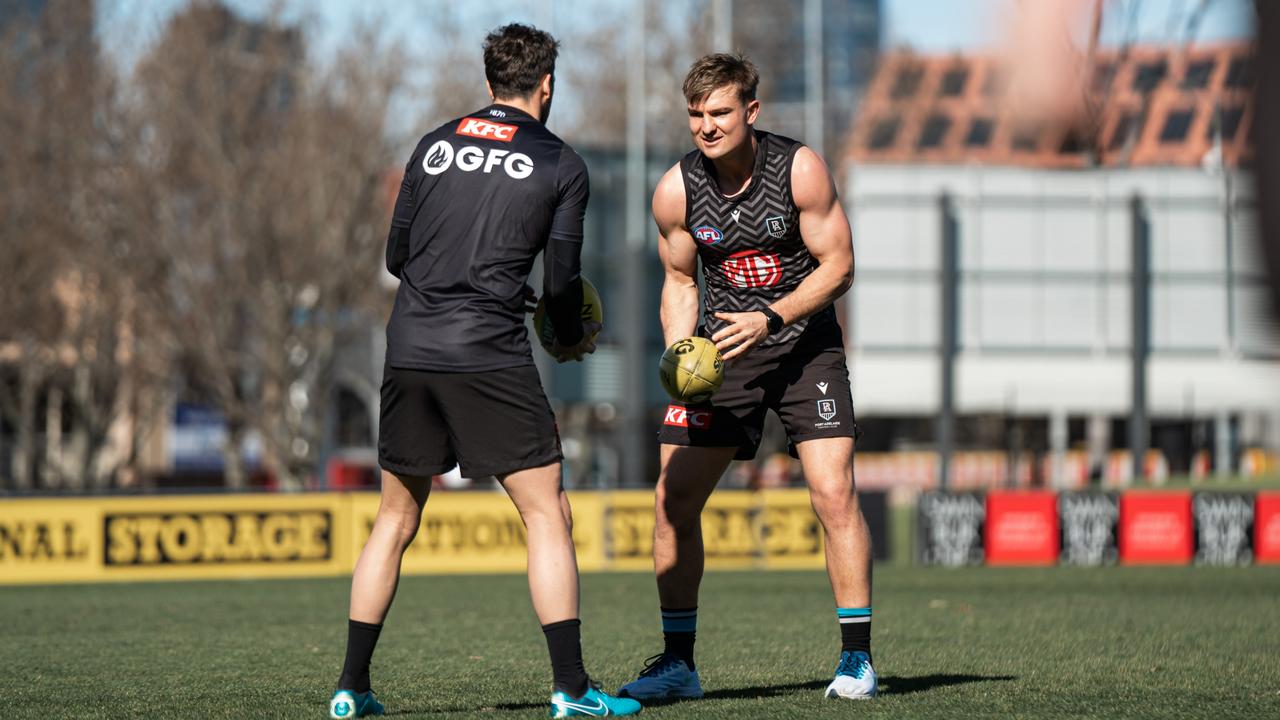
pixel 486 129
pixel 683 417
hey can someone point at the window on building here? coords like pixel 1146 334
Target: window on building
pixel 1198 74
pixel 935 129
pixel 1071 144
pixel 907 82
pixel 1126 126
pixel 1228 118
pixel 1027 138
pixel 1176 125
pixel 953 82
pixel 884 132
pixel 1149 75
pixel 980 131
pixel 1239 73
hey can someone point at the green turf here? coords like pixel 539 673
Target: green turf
pixel 1051 643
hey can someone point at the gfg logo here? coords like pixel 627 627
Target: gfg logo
pixel 441 156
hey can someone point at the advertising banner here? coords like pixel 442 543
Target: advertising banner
pixel 1022 528
pixel 1266 528
pixel 1224 528
pixel 949 529
pixel 316 534
pixel 1090 527
pixel 173 538
pixel 1156 529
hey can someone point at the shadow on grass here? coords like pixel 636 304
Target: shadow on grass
pixel 889 684
pixel 899 685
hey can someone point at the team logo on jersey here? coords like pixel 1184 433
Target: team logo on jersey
pixel 486 130
pixel 441 156
pixel 683 417
pixel 736 212
pixel 752 269
pixel 708 235
pixel 823 387
pixel 776 226
pixel 826 409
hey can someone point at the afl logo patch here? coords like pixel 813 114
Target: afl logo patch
pixel 708 235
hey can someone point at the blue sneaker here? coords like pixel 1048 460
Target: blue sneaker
pixel 663 677
pixel 855 678
pixel 594 703
pixel 350 704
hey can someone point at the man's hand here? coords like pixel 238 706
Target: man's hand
pixel 584 347
pixel 530 299
pixel 744 332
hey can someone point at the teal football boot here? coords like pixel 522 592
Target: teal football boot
pixel 593 703
pixel 350 704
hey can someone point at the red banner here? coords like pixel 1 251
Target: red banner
pixel 1022 528
pixel 1156 528
pixel 1266 528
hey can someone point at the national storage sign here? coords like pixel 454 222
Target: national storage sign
pixel 257 536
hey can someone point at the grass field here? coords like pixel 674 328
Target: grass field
pixel 1030 643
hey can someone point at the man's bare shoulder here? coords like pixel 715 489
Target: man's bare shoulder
pixel 811 182
pixel 668 199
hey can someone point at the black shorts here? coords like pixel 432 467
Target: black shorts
pixel 808 387
pixel 489 423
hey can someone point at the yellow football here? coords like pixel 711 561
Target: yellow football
pixel 691 370
pixel 592 311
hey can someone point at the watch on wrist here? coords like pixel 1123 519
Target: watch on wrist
pixel 774 320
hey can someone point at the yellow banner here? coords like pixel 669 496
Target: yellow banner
pixel 258 536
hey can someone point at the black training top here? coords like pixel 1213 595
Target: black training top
pixel 750 246
pixel 481 197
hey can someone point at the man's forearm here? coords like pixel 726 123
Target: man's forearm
pixel 824 286
pixel 679 310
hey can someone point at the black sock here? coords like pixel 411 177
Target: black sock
pixel 855 629
pixel 361 639
pixel 564 641
pixel 679 630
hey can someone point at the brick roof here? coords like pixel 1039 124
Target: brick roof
pixel 1145 106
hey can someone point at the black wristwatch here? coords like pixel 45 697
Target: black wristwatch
pixel 774 320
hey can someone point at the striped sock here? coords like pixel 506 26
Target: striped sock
pixel 855 629
pixel 679 626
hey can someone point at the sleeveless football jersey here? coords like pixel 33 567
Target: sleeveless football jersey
pixel 749 245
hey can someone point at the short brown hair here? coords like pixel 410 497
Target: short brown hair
pixel 516 57
pixel 712 72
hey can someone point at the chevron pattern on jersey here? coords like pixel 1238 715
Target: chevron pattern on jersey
pixel 750 246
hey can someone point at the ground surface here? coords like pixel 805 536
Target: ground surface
pixel 1031 643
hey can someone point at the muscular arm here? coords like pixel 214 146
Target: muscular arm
pixel 825 231
pixel 679 256
pixel 826 234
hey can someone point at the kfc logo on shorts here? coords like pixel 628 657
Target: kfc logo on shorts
pixel 826 409
pixel 753 269
pixel 486 130
pixel 683 417
pixel 708 235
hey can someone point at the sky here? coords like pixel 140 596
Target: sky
pixel 936 26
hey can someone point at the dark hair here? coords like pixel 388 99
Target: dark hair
pixel 712 72
pixel 516 57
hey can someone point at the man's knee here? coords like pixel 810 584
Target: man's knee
pixel 835 503
pixel 401 522
pixel 678 509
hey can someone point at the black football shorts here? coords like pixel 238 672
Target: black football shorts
pixel 808 387
pixel 489 423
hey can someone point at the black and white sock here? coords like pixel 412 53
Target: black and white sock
pixel 855 629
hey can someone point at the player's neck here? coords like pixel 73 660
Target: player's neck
pixel 528 106
pixel 734 168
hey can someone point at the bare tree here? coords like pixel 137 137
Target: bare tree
pixel 266 179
